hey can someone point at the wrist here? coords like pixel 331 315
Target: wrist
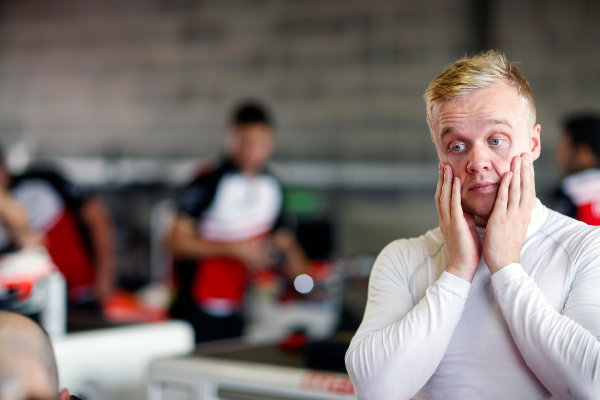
pixel 462 273
pixel 495 265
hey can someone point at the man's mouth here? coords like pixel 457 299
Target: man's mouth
pixel 483 187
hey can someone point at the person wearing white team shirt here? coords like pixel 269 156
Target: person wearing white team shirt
pixel 228 220
pixel 500 301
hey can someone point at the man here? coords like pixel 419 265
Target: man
pixel 227 225
pixel 501 300
pixel 72 224
pixel 27 364
pixel 578 155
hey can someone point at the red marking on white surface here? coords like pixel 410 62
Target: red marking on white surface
pixel 325 382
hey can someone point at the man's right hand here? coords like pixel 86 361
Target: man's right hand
pixel 254 253
pixel 458 228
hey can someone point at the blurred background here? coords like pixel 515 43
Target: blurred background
pixel 128 96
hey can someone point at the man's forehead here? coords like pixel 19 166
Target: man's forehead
pixel 498 104
pixel 448 127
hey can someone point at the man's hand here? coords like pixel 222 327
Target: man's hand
pixel 255 253
pixel 508 223
pixel 462 241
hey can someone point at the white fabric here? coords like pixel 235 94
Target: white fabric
pixel 42 203
pixel 583 187
pixel 530 331
pixel 243 207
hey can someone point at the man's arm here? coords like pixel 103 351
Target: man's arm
pixel 400 344
pixel 15 220
pixel 562 350
pixel 296 259
pixel 99 223
pixel 184 242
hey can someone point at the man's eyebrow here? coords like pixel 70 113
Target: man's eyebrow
pixel 499 122
pixel 445 131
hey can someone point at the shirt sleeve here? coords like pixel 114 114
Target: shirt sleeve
pixel 561 349
pixel 399 344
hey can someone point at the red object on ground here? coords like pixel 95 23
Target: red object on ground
pixel 123 306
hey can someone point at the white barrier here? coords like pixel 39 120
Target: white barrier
pixel 112 364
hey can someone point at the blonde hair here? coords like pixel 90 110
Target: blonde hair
pixel 478 72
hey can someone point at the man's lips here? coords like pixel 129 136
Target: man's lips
pixel 483 187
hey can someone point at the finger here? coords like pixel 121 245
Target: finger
pixel 456 207
pixel 528 182
pixel 438 189
pixel 514 190
pixel 446 192
pixel 502 196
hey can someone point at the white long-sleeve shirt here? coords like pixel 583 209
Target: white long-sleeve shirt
pixel 530 331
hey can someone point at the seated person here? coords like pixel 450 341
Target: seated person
pixel 74 226
pixel 27 364
pixel 228 223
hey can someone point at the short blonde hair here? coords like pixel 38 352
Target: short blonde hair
pixel 473 73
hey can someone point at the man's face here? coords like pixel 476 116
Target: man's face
pixel 250 146
pixel 478 136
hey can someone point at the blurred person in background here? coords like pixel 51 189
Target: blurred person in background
pixel 27 363
pixel 14 220
pixel 578 155
pixel 501 300
pixel 229 225
pixel 73 225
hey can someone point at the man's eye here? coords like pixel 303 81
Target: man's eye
pixel 457 148
pixel 495 141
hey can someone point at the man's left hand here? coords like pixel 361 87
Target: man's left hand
pixel 508 223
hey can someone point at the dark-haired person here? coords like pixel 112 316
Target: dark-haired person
pixel 27 364
pixel 229 219
pixel 73 224
pixel 578 155
pixel 500 301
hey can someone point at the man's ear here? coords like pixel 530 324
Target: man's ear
pixel 535 145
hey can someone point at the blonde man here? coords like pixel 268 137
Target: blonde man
pixel 500 301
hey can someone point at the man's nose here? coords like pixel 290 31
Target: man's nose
pixel 478 159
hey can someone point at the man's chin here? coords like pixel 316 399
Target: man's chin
pixel 481 209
